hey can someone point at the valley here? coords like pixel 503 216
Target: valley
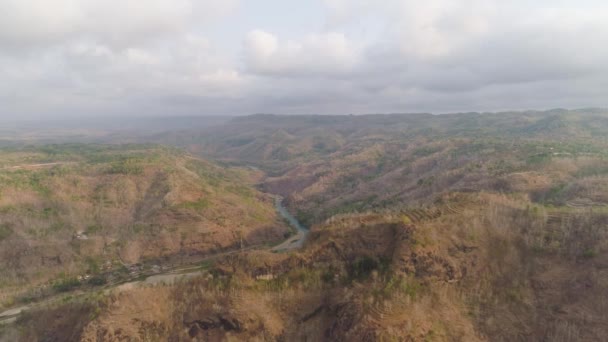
pixel 461 227
pixel 303 171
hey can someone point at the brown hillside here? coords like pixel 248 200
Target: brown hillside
pixel 121 206
pixel 480 268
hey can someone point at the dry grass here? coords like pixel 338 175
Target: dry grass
pixel 122 205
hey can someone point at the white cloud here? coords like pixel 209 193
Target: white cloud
pixel 118 22
pixel 315 54
pixel 32 21
pixel 92 56
pixel 142 57
pixel 368 56
pixel 260 46
pixel 445 45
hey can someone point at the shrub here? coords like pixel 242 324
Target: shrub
pixel 589 253
pixel 127 166
pixel 97 281
pixel 363 267
pixel 426 151
pixel 200 204
pixel 66 284
pixel 5 231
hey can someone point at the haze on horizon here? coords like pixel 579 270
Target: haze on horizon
pixel 94 58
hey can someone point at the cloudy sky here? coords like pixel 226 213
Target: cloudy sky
pixel 232 57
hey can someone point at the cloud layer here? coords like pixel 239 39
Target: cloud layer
pixel 176 57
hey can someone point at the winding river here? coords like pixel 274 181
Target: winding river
pixel 298 239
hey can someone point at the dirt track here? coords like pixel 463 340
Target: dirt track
pixel 34 166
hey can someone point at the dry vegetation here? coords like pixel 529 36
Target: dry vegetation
pixel 452 228
pixel 481 267
pixel 103 209
pixel 327 165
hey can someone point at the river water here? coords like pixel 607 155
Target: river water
pixel 298 239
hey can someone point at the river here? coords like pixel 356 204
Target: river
pixel 298 239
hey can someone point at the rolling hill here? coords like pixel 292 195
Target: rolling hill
pixel 464 227
pixel 84 210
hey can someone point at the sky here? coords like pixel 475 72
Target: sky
pixel 96 58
